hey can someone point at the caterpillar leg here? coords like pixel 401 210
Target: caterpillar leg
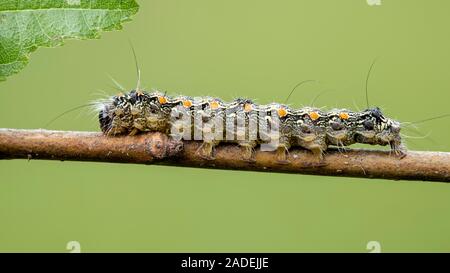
pixel 115 129
pixel 317 147
pixel 206 150
pixel 248 151
pixel 318 153
pixel 282 153
pixel 133 132
pixel 399 149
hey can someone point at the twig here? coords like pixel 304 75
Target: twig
pixel 157 148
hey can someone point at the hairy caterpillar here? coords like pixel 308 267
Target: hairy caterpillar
pixel 275 126
pixel 246 123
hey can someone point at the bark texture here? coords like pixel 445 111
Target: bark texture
pixel 157 148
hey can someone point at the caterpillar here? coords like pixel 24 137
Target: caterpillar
pixel 274 126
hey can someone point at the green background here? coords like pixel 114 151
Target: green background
pixel 252 48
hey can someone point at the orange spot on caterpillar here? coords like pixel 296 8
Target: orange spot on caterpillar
pixel 162 100
pixel 314 115
pixel 248 107
pixel 282 112
pixel 139 93
pixel 344 115
pixel 187 103
pixel 214 105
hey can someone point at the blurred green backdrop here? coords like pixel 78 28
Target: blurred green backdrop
pixel 253 48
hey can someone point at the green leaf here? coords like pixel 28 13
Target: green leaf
pixel 26 25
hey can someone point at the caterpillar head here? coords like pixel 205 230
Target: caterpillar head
pixel 134 111
pixel 376 129
pixel 114 115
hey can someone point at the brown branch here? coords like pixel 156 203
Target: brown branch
pixel 157 148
